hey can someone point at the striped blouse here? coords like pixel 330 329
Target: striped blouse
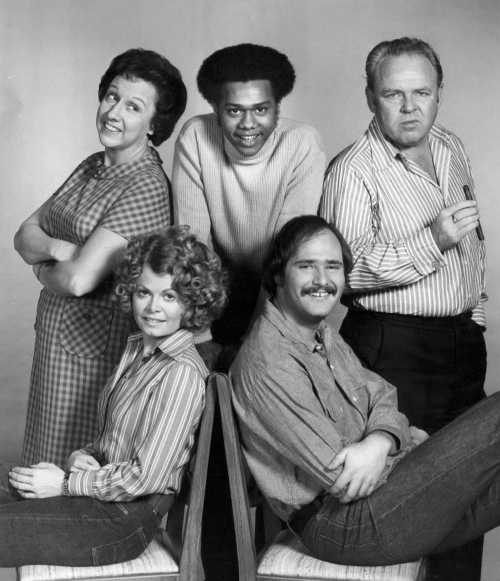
pixel 148 413
pixel 384 204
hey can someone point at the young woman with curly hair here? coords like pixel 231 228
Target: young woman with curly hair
pixel 117 488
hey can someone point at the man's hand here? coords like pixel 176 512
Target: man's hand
pixel 453 223
pixel 363 464
pixel 41 480
pixel 417 435
pixel 80 461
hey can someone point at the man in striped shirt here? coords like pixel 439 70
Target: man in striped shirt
pixel 401 197
pixel 241 172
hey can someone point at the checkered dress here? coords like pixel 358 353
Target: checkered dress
pixel 79 340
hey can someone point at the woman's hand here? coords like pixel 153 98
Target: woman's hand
pixel 63 250
pixel 42 480
pixel 81 461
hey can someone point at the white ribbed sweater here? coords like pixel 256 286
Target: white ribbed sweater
pixel 238 203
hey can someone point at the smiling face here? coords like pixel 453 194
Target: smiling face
pixel 405 99
pixel 157 308
pixel 124 118
pixel 247 113
pixel 313 281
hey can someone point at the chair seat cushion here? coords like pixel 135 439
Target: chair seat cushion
pixel 287 557
pixel 154 560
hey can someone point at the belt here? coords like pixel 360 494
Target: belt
pixel 412 319
pixel 302 516
pixel 161 503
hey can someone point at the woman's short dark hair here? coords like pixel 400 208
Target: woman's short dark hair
pixel 397 47
pixel 242 63
pixel 286 243
pixel 138 63
pixel 198 277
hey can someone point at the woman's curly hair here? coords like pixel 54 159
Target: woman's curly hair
pixel 198 277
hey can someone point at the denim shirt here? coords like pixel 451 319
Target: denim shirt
pixel 300 404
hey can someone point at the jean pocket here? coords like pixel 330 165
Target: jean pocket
pixel 85 328
pixel 124 549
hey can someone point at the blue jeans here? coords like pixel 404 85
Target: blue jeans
pixel 442 494
pixel 74 531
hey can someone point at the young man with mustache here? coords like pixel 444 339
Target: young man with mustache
pixel 323 436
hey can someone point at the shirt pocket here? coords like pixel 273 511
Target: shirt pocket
pixel 84 329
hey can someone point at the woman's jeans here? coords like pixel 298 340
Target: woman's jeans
pixel 442 494
pixel 74 531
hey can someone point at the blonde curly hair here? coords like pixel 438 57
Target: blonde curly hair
pixel 197 273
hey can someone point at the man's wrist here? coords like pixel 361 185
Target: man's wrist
pixel 381 435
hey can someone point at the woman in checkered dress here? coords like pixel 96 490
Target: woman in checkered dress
pixel 72 240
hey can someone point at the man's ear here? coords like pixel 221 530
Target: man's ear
pixel 370 99
pixel 278 279
pixel 440 94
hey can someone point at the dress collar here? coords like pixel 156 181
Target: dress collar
pixel 103 172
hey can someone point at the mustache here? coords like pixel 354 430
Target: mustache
pixel 327 288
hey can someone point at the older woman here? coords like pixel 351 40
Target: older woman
pixel 72 241
pixel 148 413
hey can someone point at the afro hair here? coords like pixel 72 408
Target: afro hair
pixel 242 63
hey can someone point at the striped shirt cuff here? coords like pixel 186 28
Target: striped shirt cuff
pixel 425 253
pixel 81 483
pixel 479 314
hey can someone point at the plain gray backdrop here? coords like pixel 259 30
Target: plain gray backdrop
pixel 53 53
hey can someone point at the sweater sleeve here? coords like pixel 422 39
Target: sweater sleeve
pixel 189 201
pixel 306 180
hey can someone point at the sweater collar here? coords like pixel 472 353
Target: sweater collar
pixel 264 152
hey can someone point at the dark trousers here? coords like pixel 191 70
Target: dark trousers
pixel 438 365
pixel 442 494
pixel 73 531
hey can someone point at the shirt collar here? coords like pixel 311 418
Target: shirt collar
pixel 289 329
pixel 384 153
pixel 103 172
pixel 173 345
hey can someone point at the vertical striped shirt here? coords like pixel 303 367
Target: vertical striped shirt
pixel 384 205
pixel 238 203
pixel 148 413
